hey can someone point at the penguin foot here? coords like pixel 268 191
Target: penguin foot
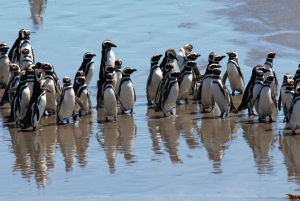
pixel 34 128
pixel 260 120
pixel 271 120
pixel 150 103
pixel 106 119
pixel 116 119
pixel 186 101
pixel 171 113
pixel 293 132
pixel 232 93
pixel 131 111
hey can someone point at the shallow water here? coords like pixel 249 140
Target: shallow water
pixel 192 156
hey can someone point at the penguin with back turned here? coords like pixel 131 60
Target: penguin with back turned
pixel 4 65
pixel 126 91
pixel 25 43
pixel 87 66
pixel 14 53
pixel 183 52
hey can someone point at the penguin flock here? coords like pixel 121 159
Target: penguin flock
pixel 33 89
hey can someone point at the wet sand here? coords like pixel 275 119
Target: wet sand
pixel 190 156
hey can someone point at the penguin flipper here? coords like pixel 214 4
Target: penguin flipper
pixel 119 100
pixel 274 100
pixel 279 102
pixel 276 80
pixel 225 77
pixel 134 95
pixel 12 90
pixel 99 102
pixel 79 102
pixel 240 73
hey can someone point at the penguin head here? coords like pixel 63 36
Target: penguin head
pixel 23 77
pixel 29 70
pixel 217 71
pixel 80 73
pixel 213 66
pixel 286 77
pixel 211 56
pixel 193 56
pixel 155 58
pixel 174 74
pixel 290 82
pixel 190 64
pixel 21 33
pixel 118 63
pixel 14 68
pixel 26 33
pixel 169 66
pixel 259 73
pixel 81 80
pixel 171 54
pixel 128 71
pixel 232 55
pixel 271 55
pixel 25 50
pixel 110 69
pixel 88 55
pixel 108 44
pixel 39 65
pixel 109 77
pixel 188 48
pixel 48 67
pixel 262 68
pixel 4 47
pixel 217 58
pixel 67 80
pixel 270 78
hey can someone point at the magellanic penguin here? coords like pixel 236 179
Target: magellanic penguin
pixel 27 60
pixel 81 91
pixel 118 73
pixel 221 94
pixel 154 78
pixel 25 43
pixel 293 114
pixel 4 65
pixel 30 77
pixel 183 52
pixel 169 93
pixel 248 90
pixel 296 78
pixel 289 95
pixel 170 56
pixel 53 84
pixel 281 99
pixel 66 104
pixel 109 99
pixel 107 58
pixel 234 73
pixel 20 101
pixel 269 65
pixel 126 90
pixel 101 83
pixel 36 106
pixel 185 81
pixel 259 81
pixel 87 66
pixel 14 53
pixel 266 100
pixel 13 83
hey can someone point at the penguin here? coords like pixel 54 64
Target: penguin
pixel 154 78
pixel 185 81
pixel 53 84
pixel 221 94
pixel 14 53
pixel 25 43
pixel 118 73
pixel 289 95
pixel 36 106
pixel 281 99
pixel 87 66
pixel 126 90
pixel 266 100
pixel 30 77
pixel 269 65
pixel 13 83
pixel 183 52
pixel 101 83
pixel 107 58
pixel 169 93
pixel 66 104
pixel 296 78
pixel 20 101
pixel 259 81
pixel 4 65
pixel 293 114
pixel 27 60
pixel 110 99
pixel 81 91
pixel 234 73
pixel 170 56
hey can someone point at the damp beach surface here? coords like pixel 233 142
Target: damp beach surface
pixel 190 156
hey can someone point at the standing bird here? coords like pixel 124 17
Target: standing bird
pixel 234 73
pixel 101 83
pixel 30 77
pixel 266 99
pixel 221 94
pixel 20 101
pixel 4 65
pixel 269 65
pixel 185 81
pixel 81 91
pixel 13 83
pixel 118 73
pixel 14 53
pixel 126 90
pixel 281 99
pixel 289 95
pixel 296 78
pixel 183 52
pixel 87 66
pixel 259 82
pixel 25 43
pixel 36 106
pixel 26 58
pixel 66 104
pixel 154 78
pixel 110 99
pixel 294 115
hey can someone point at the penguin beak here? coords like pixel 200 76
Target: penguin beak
pixel 133 69
pixel 113 45
pixel 198 55
pixel 223 57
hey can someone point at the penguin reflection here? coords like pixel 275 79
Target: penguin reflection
pixel 260 138
pixel 155 130
pixel 290 147
pixel 37 7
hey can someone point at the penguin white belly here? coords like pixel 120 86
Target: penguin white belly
pixel 24 103
pixel 282 93
pixel 90 74
pixel 185 86
pixel 206 94
pixel 273 84
pixel 118 76
pixel 110 58
pixel 171 99
pixel 127 95
pixel 26 61
pixel 288 100
pixel 256 90
pixel 30 86
pixel 295 117
pixel 41 107
pixel 220 98
pixel 155 80
pixel 180 61
pixel 115 81
pixel 110 103
pixel 235 80
pixel 85 102
pixel 51 97
pixel 4 71
pixel 265 103
pixel 67 105
pixel 28 46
